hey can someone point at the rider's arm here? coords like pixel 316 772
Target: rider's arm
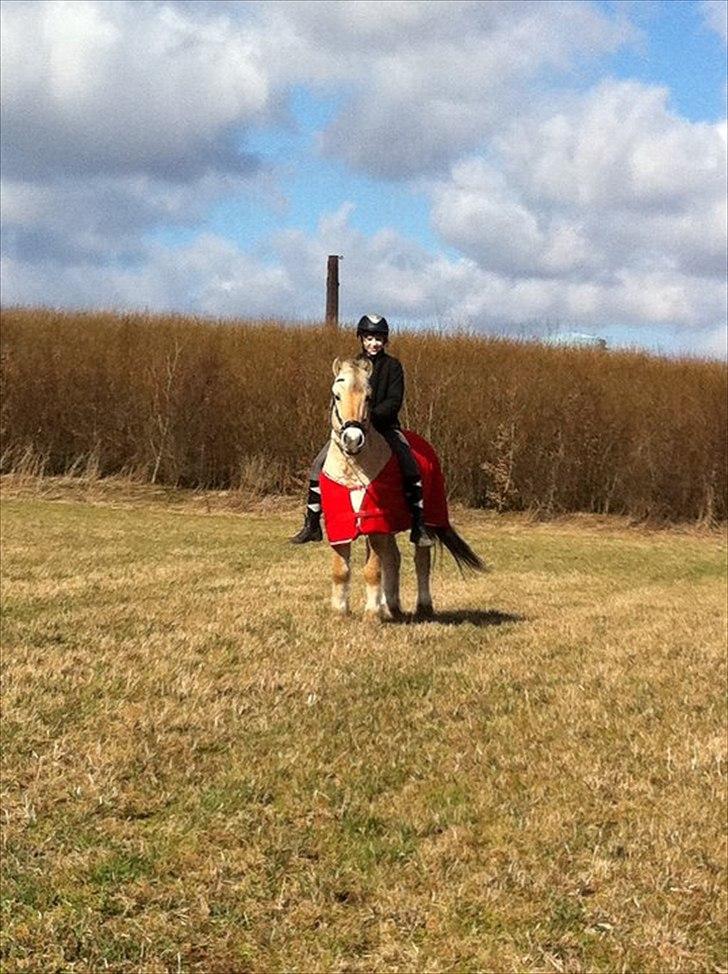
pixel 387 409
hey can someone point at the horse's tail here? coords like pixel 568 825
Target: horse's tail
pixel 461 551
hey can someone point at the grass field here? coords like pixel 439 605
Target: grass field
pixel 204 771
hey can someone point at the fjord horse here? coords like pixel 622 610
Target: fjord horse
pixel 361 494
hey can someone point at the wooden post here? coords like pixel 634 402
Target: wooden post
pixel 332 291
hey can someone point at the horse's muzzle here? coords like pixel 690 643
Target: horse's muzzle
pixel 353 438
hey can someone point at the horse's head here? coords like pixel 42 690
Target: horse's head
pixel 350 403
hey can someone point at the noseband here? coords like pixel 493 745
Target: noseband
pixel 348 425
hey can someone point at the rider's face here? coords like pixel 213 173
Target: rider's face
pixel 372 344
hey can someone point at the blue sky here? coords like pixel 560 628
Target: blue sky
pixel 674 48
pixel 314 185
pixel 678 49
pixel 512 168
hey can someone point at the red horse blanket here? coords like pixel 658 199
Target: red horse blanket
pixel 382 508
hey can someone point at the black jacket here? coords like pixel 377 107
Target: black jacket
pixel 387 385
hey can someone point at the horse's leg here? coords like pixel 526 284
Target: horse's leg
pixel 423 562
pixel 385 546
pixel 390 576
pixel 373 580
pixel 340 574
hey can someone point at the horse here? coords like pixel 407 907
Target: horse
pixel 361 494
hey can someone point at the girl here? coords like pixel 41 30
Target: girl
pixel 387 393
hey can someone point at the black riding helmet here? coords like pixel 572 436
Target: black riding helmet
pixel 373 325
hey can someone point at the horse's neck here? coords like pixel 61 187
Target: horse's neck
pixel 358 471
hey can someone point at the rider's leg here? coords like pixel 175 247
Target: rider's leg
pixel 311 530
pixel 412 482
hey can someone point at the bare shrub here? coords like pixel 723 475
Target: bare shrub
pixel 260 475
pixel 242 405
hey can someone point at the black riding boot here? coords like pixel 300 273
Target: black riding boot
pixel 419 534
pixel 311 530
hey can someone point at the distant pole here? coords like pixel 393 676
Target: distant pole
pixel 332 291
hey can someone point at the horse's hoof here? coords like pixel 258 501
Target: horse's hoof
pixel 392 615
pixel 373 617
pixel 423 612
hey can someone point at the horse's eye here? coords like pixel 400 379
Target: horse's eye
pixel 337 398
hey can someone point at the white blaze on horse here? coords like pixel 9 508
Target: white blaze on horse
pixel 361 494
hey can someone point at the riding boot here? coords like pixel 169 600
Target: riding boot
pixel 419 534
pixel 311 530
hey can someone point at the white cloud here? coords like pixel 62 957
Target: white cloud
pixel 117 88
pixel 383 272
pixel 427 81
pixel 616 145
pixel 716 16
pixel 210 276
pixel 583 209
pixel 712 343
pixel 119 118
pixel 613 184
pixel 101 219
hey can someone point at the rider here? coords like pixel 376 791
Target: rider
pixel 387 393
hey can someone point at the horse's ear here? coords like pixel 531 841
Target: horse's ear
pixel 336 366
pixel 367 365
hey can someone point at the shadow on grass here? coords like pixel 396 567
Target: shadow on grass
pixel 461 617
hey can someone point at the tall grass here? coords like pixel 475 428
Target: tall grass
pixel 244 405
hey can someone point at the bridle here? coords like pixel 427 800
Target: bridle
pixel 344 425
pixel 336 436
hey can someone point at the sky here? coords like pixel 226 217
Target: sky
pixel 515 167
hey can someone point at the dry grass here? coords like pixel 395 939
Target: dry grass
pixel 203 771
pixel 243 405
